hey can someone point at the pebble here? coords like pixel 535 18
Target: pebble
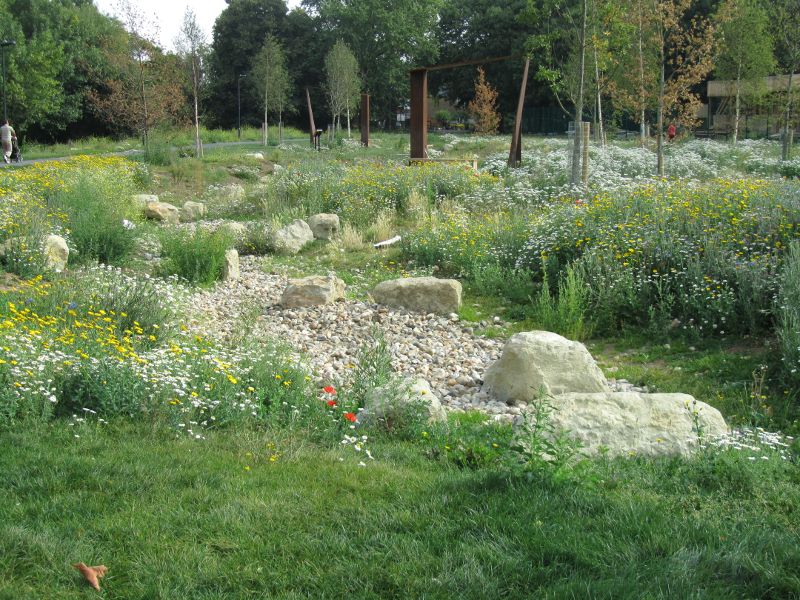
pixel 438 348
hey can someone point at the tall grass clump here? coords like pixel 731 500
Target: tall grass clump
pixel 565 312
pixel 788 316
pixel 198 257
pixel 96 206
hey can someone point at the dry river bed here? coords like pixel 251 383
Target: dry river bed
pixel 443 350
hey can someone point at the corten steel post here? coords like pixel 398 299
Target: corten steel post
pixel 587 131
pixel 365 120
pixel 419 114
pixel 515 154
pixel 239 106
pixel 3 45
pixel 311 125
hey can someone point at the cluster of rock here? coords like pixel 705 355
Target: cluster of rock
pixel 539 365
pixel 444 366
pixel 165 212
pixel 299 233
pixel 53 249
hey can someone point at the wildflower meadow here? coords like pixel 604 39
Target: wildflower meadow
pixel 197 459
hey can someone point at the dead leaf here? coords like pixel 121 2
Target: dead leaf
pixel 92 574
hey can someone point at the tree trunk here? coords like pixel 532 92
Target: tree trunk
pixel 145 140
pixel 198 145
pixel 266 114
pixel 349 134
pixel 575 175
pixel 737 110
pixel 660 147
pixel 786 150
pixel 642 103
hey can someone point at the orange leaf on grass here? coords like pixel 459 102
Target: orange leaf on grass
pixel 92 574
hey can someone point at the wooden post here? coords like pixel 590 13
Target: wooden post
pixel 587 131
pixel 312 127
pixel 365 120
pixel 515 154
pixel 419 114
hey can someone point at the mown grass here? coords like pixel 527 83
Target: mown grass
pixel 221 520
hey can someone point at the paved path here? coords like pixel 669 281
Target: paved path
pixel 136 152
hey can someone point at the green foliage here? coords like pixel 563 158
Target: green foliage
pixel 469 440
pixel 567 311
pixel 788 317
pixel 198 257
pixel 96 206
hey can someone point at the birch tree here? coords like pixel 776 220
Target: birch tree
pixel 746 53
pixel 342 82
pixel 192 46
pixel 785 18
pixel 272 78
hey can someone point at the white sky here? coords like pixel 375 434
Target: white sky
pixel 168 15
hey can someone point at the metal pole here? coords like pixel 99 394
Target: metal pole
pixel 5 109
pixel 239 107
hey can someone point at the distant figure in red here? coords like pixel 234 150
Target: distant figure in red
pixel 671 131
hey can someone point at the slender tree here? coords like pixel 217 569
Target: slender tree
pixel 192 46
pixel 342 82
pixel 746 52
pixel 685 52
pixel 272 78
pixel 785 18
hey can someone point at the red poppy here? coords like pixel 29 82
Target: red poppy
pixel 350 417
pixel 331 403
pixel 329 389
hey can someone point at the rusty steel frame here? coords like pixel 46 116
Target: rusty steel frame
pixel 311 125
pixel 365 120
pixel 419 108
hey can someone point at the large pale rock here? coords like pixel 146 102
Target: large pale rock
pixel 162 211
pixel 230 270
pixel 313 291
pixel 142 200
pixel 325 226
pixel 626 423
pixel 292 238
pixel 423 294
pixel 56 253
pixel 192 211
pixel 541 360
pixel 392 405
pixel 235 230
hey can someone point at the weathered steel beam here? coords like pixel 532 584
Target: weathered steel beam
pixel 467 63
pixel 515 154
pixel 365 120
pixel 312 128
pixel 419 113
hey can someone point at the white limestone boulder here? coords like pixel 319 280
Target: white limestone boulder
pixel 324 226
pixel 141 201
pixel 395 404
pixel 163 212
pixel 192 211
pixel 633 423
pixel 535 361
pixel 56 253
pixel 313 291
pixel 292 238
pixel 230 270
pixel 422 294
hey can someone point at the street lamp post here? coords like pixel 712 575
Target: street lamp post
pixel 239 105
pixel 3 45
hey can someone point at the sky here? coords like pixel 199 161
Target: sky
pixel 168 15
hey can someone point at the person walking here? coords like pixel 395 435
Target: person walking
pixel 671 131
pixel 7 138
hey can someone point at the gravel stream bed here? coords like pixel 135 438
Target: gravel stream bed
pixel 443 350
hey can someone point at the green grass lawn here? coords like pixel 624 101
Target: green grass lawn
pixel 266 514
